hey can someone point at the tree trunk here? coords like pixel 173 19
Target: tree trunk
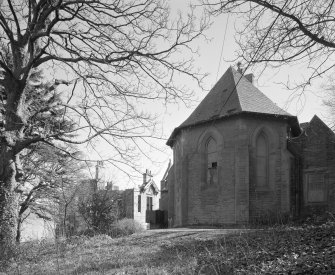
pixel 10 169
pixel 18 229
pixel 64 223
pixel 8 200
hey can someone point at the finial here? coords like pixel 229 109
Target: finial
pixel 239 67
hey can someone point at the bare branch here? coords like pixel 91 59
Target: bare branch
pixel 303 33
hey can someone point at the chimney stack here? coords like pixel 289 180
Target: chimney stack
pixel 146 176
pixel 239 67
pixel 97 169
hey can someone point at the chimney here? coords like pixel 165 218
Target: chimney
pixel 97 170
pixel 146 176
pixel 239 67
pixel 250 77
pixel 109 185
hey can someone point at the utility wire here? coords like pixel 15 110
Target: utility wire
pixel 249 63
pixel 258 49
pixel 223 42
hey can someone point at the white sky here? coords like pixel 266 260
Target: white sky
pixel 208 60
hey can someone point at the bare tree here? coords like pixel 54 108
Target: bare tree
pixel 278 32
pixel 50 178
pixel 109 55
pixel 66 204
pixel 329 102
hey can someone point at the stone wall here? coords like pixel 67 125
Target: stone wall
pixel 164 201
pixel 132 207
pixel 171 195
pixel 315 148
pixel 234 198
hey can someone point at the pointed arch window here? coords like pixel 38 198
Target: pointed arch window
pixel 212 161
pixel 262 159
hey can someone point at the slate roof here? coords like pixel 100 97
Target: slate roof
pixel 232 94
pixel 166 171
pixel 164 185
pixel 319 121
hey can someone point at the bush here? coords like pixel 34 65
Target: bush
pixel 125 227
pixel 7 255
pixel 100 211
pixel 270 219
pixel 316 218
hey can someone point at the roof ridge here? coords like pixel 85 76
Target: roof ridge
pixel 236 84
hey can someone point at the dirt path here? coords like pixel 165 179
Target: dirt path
pixel 166 236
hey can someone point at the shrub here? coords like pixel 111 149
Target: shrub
pixel 100 211
pixel 270 218
pixel 125 227
pixel 7 256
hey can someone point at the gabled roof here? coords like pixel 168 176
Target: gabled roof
pixel 318 121
pixel 164 186
pixel 166 171
pixel 232 94
pixel 145 186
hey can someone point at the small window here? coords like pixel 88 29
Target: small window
pixel 139 203
pixel 149 203
pixel 212 161
pixel 316 188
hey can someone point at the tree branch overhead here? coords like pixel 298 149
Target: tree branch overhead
pixel 304 32
pixel 107 56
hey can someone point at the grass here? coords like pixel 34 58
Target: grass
pixel 306 249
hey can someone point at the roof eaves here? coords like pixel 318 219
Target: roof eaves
pixel 292 119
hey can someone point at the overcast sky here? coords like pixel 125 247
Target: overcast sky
pixel 208 60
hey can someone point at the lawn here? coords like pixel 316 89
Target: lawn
pixel 304 249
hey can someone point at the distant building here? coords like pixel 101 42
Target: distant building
pixel 141 202
pixel 313 169
pixel 100 176
pixel 137 203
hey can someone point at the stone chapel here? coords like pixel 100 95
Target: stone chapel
pixel 239 157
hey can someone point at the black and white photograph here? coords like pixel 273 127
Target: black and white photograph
pixel 167 137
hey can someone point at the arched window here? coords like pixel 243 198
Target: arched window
pixel 212 161
pixel 262 159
